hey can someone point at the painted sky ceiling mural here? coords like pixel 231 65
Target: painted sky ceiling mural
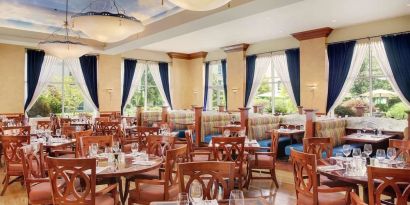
pixel 48 15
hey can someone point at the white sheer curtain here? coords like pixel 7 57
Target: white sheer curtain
pixel 154 69
pixel 47 70
pixel 359 54
pixel 136 79
pixel 75 68
pixel 381 57
pixel 263 62
pixel 280 64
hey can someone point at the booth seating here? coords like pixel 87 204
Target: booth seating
pixel 149 117
pixel 180 116
pixel 258 124
pixel 333 128
pixel 209 121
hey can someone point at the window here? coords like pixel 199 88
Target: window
pixel 216 93
pixel 272 94
pixel 372 89
pixel 146 95
pixel 62 95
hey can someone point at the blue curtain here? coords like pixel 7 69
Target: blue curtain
pixel 89 68
pixel 223 62
pixel 340 57
pixel 34 62
pixel 206 84
pixel 129 70
pixel 250 72
pixel 293 60
pixel 398 52
pixel 163 71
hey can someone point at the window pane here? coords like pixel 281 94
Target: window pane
pixel 50 101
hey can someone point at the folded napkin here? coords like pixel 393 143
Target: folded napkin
pixel 329 168
pixel 143 163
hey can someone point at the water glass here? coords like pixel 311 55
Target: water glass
pixel 236 197
pixel 227 133
pixel 380 155
pixel 359 132
pixel 357 152
pixel 346 150
pixel 401 160
pixel 391 153
pixel 367 149
pixel 58 132
pixel 116 147
pixel 195 192
pixel 134 148
pixel 183 198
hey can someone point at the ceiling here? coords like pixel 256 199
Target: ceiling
pixel 169 28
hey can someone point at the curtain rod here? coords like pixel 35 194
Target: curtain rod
pixel 271 52
pixel 137 59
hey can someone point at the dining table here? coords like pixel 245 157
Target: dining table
pixel 367 138
pixel 285 132
pixel 247 201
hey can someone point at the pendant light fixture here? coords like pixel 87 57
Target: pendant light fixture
pixel 106 26
pixel 64 48
pixel 199 5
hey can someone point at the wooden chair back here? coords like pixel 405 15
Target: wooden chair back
pixel 44 124
pixel 173 158
pixel 402 146
pixel 97 124
pixel 111 128
pixel 77 136
pixel 20 130
pixel 229 149
pixel 102 141
pixel 33 164
pixel 158 145
pixel 211 175
pixel 304 174
pixel 65 121
pixel 142 133
pixel 68 131
pixel 69 171
pixel 381 179
pixel 11 144
pixel 189 141
pixel 318 146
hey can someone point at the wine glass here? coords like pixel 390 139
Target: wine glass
pixel 183 198
pixel 236 197
pixel 356 152
pixel 58 132
pixel 346 150
pixel 195 192
pixel 227 133
pixel 368 149
pixel 116 147
pixel 134 148
pixel 391 153
pixel 401 160
pixel 380 154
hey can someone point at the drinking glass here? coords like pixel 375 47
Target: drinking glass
pixel 107 151
pixel 356 152
pixel 116 146
pixel 401 160
pixel 236 197
pixel 380 155
pixel 183 198
pixel 58 132
pixel 195 192
pixel 359 132
pixel 134 148
pixel 368 149
pixel 346 150
pixel 391 153
pixel 227 133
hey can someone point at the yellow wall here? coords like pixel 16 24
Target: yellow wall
pixel 313 76
pixel 12 72
pixel 235 72
pixel 197 81
pixel 109 82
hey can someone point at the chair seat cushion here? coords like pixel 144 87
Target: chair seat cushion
pixel 323 198
pixel 264 162
pixel 180 133
pixel 105 199
pixel 208 138
pixel 41 192
pixel 339 149
pixel 149 193
pixel 15 167
pixel 297 147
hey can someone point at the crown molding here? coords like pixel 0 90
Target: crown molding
pixel 237 47
pixel 311 34
pixel 186 56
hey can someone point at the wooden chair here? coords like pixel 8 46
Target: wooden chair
pixel 111 128
pixel 19 130
pixel 77 136
pixel 264 160
pixel 355 199
pixel 318 146
pixel 147 191
pixel 102 141
pixel 402 146
pixel 231 149
pixel 13 159
pixel 64 121
pixel 69 171
pixel 211 175
pixel 196 154
pixel 142 133
pixel 44 124
pixel 97 124
pixel 307 186
pixel 38 186
pixel 158 145
pixel 390 180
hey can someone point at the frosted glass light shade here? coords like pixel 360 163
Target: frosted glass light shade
pixel 107 27
pixel 199 5
pixel 64 49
